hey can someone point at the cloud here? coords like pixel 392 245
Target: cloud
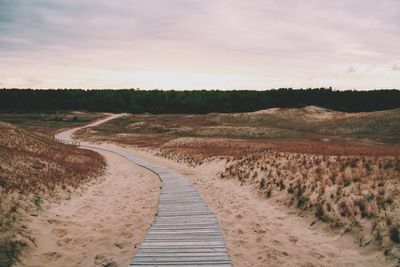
pixel 33 82
pixel 265 41
pixel 351 69
pixel 396 67
pixel 371 67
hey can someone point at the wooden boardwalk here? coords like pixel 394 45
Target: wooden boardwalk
pixel 185 232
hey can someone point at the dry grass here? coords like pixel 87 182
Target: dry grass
pixel 34 167
pixel 310 124
pixel 357 193
pixel 51 122
pixel 351 192
pixel 343 168
pixel 204 148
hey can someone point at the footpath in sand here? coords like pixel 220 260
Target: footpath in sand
pixel 104 224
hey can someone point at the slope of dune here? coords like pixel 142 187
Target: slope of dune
pixel 260 232
pixel 34 168
pixel 314 121
pixel 340 168
pixel 103 225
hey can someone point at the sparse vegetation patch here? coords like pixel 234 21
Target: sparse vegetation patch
pixel 341 168
pixel 34 167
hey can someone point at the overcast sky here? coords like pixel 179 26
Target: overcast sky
pixel 194 44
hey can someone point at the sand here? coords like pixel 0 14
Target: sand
pixel 108 220
pixel 103 225
pixel 260 232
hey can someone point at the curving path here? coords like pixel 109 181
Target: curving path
pixel 185 232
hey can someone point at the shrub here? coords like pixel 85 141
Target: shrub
pixel 302 201
pixel 319 211
pixel 9 252
pixel 37 200
pixel 394 234
pixel 262 183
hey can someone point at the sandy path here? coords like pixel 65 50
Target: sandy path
pixel 258 232
pixel 103 224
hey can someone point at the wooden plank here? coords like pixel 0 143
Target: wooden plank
pixel 208 264
pixel 191 259
pixel 149 243
pixel 183 228
pixel 182 232
pixel 184 250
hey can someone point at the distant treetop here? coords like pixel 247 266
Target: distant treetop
pixel 195 101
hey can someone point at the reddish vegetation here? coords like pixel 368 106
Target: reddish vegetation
pixel 310 130
pixel 35 163
pixel 334 148
pixel 237 148
pixel 34 167
pixel 49 123
pixel 329 163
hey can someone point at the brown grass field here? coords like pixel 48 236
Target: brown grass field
pixel 35 168
pixel 343 168
pixel 51 122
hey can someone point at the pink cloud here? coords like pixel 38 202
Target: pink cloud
pixel 268 43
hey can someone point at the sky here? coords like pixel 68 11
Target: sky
pixel 200 44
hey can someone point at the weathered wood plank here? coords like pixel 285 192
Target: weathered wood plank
pixel 208 264
pixel 184 250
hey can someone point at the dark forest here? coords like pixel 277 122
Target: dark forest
pixel 159 101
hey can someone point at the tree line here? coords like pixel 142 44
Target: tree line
pixel 194 101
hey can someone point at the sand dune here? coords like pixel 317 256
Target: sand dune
pixel 101 226
pixel 104 224
pixel 258 232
